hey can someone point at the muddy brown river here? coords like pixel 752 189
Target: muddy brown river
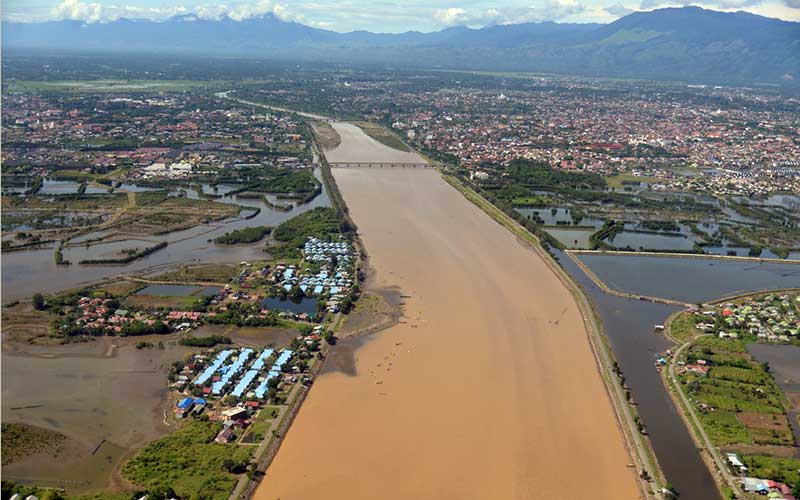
pixel 487 388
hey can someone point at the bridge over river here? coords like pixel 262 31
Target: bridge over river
pixel 367 164
pixel 357 149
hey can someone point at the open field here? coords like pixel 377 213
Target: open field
pixel 509 338
pixel 188 461
pixel 22 440
pixel 65 389
pixel 111 85
pixel 198 273
pixel 619 181
pixel 682 327
pixel 738 400
pixel 23 323
pixel 326 135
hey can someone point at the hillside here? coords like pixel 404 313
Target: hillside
pixel 688 43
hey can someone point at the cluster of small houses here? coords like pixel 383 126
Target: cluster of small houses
pixel 227 373
pixel 767 487
pixel 333 278
pixel 96 315
pixel 770 319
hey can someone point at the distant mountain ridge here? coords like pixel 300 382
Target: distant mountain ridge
pixel 687 43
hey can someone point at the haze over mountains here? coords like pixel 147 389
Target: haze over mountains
pixel 688 43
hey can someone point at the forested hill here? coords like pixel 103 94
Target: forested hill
pixel 687 43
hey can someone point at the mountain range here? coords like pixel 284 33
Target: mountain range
pixel 688 43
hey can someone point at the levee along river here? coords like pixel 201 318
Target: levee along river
pixel 487 388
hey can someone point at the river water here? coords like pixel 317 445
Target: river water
pixel 487 388
pixel 356 146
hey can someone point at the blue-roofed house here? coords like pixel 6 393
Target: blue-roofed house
pixel 185 403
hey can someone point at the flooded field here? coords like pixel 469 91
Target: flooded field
pixel 559 216
pixel 651 241
pixel 784 364
pixel 690 279
pixel 67 187
pixel 487 388
pixel 574 238
pixel 27 272
pixel 106 396
pixel 306 305
pixel 356 146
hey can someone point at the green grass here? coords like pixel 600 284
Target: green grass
pixel 245 235
pixel 735 383
pixel 263 422
pixel 189 461
pixel 617 181
pixel 320 222
pixel 784 470
pixel 724 428
pixel 532 201
pixel 737 374
pixel 383 135
pixel 682 327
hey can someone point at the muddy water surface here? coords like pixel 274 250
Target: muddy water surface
pixel 356 146
pixel 487 388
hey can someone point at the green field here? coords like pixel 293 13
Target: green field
pixel 263 422
pixel 738 401
pixel 112 85
pixel 617 181
pixel 188 461
pixel 682 327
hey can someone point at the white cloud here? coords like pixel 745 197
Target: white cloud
pixel 548 10
pixel 83 11
pixel 93 12
pixel 452 16
pixel 619 10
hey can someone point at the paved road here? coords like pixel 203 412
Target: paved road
pixel 707 444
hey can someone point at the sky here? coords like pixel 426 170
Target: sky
pixel 378 15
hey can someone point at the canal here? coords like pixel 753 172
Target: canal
pixel 628 324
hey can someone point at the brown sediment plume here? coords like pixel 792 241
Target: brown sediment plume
pixel 486 387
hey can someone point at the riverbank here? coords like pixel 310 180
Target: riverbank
pixel 639 448
pixel 410 379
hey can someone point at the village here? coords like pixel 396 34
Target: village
pixel 771 318
pixel 746 407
